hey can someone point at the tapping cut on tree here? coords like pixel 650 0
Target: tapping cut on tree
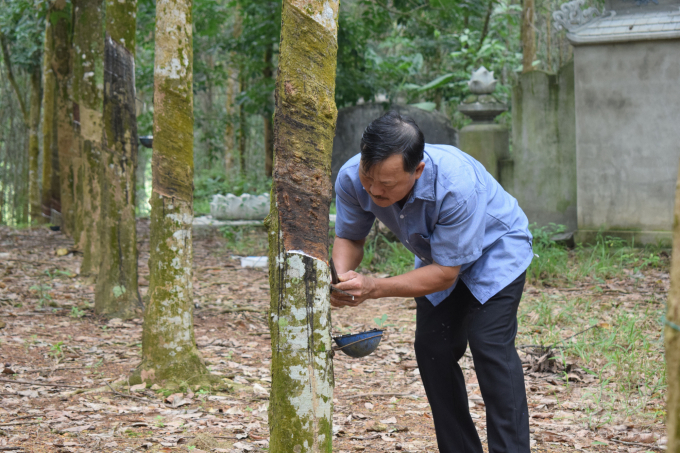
pixel 117 294
pixel 169 352
pixel 300 411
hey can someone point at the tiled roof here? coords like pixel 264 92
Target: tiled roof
pixel 642 26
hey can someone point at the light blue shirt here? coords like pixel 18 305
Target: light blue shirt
pixel 457 215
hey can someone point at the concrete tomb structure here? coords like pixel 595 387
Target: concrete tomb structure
pixel 543 175
pixel 627 105
pixel 353 120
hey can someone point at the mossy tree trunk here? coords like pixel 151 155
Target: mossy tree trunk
pixel 63 121
pixel 267 117
pixel 117 293
pixel 34 146
pixel 88 81
pixel 300 411
pixel 528 35
pixel 48 129
pixel 242 123
pixel 229 137
pixel 169 352
pixel 672 336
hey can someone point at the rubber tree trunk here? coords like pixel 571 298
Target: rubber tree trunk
pixel 34 146
pixel 169 352
pixel 242 123
pixel 61 64
pixel 117 293
pixel 229 137
pixel 672 336
pixel 300 411
pixel 267 117
pixel 528 36
pixel 88 81
pixel 48 129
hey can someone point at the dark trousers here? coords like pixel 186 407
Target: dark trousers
pixel 442 335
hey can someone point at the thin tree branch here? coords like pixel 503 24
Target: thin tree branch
pixel 487 19
pixel 10 77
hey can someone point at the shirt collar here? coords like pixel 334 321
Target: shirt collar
pixel 424 186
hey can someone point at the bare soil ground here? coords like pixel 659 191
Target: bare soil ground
pixel 58 358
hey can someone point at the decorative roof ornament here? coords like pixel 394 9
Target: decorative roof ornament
pixel 482 81
pixel 571 16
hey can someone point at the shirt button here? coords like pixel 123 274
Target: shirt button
pixel 401 216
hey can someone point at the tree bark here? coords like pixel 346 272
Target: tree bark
pixel 117 293
pixel 48 130
pixel 229 137
pixel 300 411
pixel 672 336
pixel 267 117
pixel 88 80
pixel 528 36
pixel 169 352
pixel 242 124
pixel 61 64
pixel 34 147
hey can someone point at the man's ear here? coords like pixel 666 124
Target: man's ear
pixel 419 169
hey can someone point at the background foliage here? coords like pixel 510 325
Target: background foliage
pixel 402 51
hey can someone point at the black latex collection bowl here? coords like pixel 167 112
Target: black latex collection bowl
pixel 359 344
pixel 146 141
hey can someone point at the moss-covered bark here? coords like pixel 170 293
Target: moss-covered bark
pixel 300 414
pixel 267 72
pixel 48 130
pixel 117 293
pixel 229 137
pixel 528 35
pixel 169 352
pixel 34 147
pixel 88 81
pixel 672 336
pixel 61 64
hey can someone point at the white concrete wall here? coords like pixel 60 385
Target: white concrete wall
pixel 627 134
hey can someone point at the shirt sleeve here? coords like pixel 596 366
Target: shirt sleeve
pixel 352 221
pixel 458 236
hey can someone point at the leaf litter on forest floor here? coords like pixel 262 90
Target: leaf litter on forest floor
pixel 593 391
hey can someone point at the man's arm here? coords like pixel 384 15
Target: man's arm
pixel 347 254
pixel 416 283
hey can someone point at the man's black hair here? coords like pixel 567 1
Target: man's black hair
pixel 392 134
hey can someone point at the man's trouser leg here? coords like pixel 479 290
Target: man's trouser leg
pixel 442 334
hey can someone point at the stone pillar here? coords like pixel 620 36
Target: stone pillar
pixel 485 140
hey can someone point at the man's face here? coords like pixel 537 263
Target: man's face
pixel 387 182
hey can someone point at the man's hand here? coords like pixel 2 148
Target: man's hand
pixel 359 286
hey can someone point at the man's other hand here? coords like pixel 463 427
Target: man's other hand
pixel 359 286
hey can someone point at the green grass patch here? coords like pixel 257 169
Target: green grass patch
pixel 554 264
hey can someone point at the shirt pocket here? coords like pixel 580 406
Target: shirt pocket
pixel 421 246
